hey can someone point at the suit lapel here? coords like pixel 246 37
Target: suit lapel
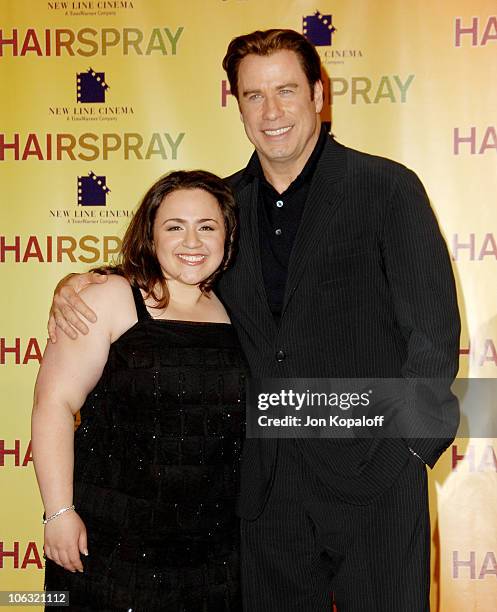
pixel 325 195
pixel 250 239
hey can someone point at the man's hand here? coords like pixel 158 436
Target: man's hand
pixel 67 305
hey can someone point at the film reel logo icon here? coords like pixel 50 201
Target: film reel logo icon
pixel 92 190
pixel 91 86
pixel 318 29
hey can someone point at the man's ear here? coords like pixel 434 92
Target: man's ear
pixel 318 96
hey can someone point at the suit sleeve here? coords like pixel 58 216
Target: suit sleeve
pixel 421 281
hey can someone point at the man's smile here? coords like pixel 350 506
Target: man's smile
pixel 278 131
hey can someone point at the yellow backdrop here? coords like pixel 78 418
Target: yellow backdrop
pixel 99 98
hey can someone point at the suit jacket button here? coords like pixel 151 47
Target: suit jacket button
pixel 280 356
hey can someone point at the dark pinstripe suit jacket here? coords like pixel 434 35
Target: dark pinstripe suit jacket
pixel 370 293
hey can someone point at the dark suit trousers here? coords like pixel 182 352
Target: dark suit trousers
pixel 308 546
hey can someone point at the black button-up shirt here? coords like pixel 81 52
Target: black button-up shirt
pixel 279 219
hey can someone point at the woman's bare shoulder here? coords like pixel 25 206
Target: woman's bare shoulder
pixel 104 294
pixel 113 304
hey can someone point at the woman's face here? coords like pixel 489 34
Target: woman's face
pixel 189 235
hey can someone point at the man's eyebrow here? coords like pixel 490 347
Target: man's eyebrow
pixel 249 92
pixel 294 85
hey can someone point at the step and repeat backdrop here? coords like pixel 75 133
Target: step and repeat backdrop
pixel 99 98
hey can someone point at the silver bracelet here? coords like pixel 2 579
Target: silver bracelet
pixel 58 513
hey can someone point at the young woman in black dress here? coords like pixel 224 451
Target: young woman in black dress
pixel 140 500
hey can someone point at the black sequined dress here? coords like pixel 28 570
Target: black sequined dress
pixel 156 472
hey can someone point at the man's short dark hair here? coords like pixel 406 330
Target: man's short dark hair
pixel 266 43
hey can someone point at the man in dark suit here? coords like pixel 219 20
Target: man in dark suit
pixel 341 272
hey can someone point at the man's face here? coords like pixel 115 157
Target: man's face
pixel 280 118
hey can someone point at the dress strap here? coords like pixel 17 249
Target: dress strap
pixel 141 309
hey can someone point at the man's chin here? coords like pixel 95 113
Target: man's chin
pixel 277 154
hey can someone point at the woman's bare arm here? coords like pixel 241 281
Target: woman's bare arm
pixel 69 371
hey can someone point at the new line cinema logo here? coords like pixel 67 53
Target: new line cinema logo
pixel 91 86
pixel 102 8
pixel 91 89
pixel 92 190
pixel 320 31
pixel 92 193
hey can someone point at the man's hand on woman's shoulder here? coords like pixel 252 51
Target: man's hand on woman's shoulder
pixel 67 306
